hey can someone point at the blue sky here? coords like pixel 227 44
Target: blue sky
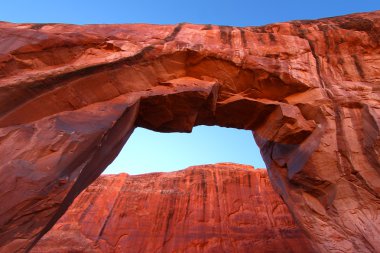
pixel 148 151
pixel 222 12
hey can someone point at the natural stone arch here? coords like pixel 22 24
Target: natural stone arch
pixel 72 95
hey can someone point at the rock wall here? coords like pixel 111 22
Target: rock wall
pixel 209 208
pixel 70 96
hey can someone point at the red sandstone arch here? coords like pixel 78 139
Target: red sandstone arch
pixel 72 95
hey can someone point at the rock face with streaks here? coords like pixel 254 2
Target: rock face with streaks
pixel 208 208
pixel 70 96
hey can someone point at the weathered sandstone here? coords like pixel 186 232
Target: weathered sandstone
pixel 209 208
pixel 70 96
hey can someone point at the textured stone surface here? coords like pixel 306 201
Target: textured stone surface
pixel 209 208
pixel 70 96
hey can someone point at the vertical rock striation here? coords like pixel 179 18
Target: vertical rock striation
pixel 208 208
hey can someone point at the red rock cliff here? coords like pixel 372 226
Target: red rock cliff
pixel 209 208
pixel 70 96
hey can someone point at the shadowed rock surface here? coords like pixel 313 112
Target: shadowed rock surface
pixel 209 208
pixel 70 96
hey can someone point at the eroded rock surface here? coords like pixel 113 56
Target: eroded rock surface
pixel 70 96
pixel 209 208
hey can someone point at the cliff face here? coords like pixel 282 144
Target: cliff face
pixel 70 96
pixel 209 208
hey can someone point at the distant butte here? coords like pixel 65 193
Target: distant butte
pixel 71 95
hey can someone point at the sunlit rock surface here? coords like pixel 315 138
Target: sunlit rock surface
pixel 208 208
pixel 70 96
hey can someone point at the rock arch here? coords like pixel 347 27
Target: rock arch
pixel 72 95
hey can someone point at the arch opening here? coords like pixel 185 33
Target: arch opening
pixel 148 151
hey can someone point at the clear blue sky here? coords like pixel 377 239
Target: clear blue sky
pixel 148 151
pixel 223 12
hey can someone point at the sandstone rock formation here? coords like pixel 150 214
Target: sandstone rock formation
pixel 209 208
pixel 70 96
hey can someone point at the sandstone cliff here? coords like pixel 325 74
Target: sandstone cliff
pixel 209 208
pixel 70 96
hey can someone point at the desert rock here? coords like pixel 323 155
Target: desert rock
pixel 71 95
pixel 209 208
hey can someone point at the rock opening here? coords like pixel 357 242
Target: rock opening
pixel 148 151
